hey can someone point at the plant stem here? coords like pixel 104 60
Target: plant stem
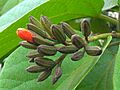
pixel 107 18
pixel 103 36
pixel 61 58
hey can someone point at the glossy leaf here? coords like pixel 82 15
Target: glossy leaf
pixel 19 11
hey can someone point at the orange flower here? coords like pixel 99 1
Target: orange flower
pixel 25 34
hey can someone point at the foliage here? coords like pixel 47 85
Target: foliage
pixel 90 73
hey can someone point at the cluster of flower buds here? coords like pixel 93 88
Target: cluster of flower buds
pixel 43 38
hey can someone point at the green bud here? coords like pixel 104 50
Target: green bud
pixel 34 53
pixel 58 33
pixel 34 21
pixel 46 23
pixel 85 28
pixel 44 75
pixel 67 49
pixel 35 69
pixel 47 50
pixel 78 41
pixel 46 62
pixel 68 30
pixel 78 55
pixel 40 40
pixel 93 50
pixel 27 45
pixel 37 30
pixel 57 74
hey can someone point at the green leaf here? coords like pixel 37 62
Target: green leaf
pixel 14 74
pixel 115 9
pixel 101 76
pixel 19 11
pixel 109 4
pixel 99 26
pixel 116 77
pixel 2 3
pixel 74 23
pixel 65 12
pixel 8 5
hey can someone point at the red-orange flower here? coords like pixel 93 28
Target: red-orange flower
pixel 25 34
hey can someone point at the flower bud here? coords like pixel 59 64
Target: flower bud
pixel 78 55
pixel 46 62
pixel 44 75
pixel 34 21
pixel 46 23
pixel 58 33
pixel 93 50
pixel 57 74
pixel 25 34
pixel 35 69
pixel 68 30
pixel 34 54
pixel 40 40
pixel 78 41
pixel 28 45
pixel 67 49
pixel 85 28
pixel 47 50
pixel 36 29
